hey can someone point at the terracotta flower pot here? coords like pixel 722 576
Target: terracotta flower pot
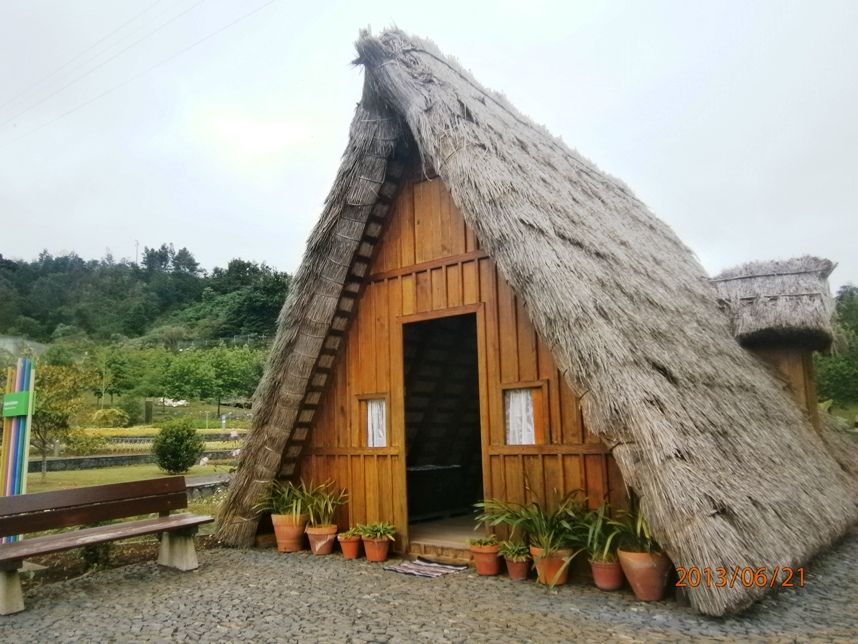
pixel 350 546
pixel 289 531
pixel 517 570
pixel 551 570
pixel 486 559
pixel 646 572
pixel 607 575
pixel 376 549
pixel 321 538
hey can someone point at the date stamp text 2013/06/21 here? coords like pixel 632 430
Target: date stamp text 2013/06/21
pixel 740 576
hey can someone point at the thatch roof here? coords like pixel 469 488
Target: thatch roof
pixel 783 302
pixel 728 469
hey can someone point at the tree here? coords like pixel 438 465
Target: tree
pixel 184 262
pixel 237 371
pixel 58 393
pixel 847 307
pixel 837 375
pixel 158 260
pixel 112 370
pixel 190 375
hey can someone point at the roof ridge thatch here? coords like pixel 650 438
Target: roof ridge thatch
pixel 700 429
pixel 779 302
pixel 770 268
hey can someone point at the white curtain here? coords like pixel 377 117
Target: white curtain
pixel 376 423
pixel 518 405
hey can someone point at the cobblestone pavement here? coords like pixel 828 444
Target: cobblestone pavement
pixel 264 596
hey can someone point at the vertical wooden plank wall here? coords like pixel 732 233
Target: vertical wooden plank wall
pixel 430 260
pixel 795 365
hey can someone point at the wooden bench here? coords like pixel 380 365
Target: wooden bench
pixel 66 508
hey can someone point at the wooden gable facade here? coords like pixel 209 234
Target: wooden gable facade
pixel 429 265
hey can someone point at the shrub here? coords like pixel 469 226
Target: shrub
pixel 81 443
pixel 177 446
pixel 110 418
pixel 96 556
pixel 133 408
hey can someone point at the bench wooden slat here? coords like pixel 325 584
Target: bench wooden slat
pixel 82 514
pixel 13 552
pixel 89 495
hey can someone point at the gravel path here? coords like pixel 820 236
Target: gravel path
pixel 265 596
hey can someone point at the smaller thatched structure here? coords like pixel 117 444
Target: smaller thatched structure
pixel 781 301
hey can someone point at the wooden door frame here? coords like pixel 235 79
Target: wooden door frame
pixel 397 397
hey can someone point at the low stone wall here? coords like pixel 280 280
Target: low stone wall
pixel 200 487
pixel 63 463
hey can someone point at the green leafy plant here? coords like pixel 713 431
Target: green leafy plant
pixel 514 550
pixel 491 540
pixel 350 533
pixel 378 530
pixel 133 407
pixel 110 417
pixel 177 446
pixel 547 530
pixel 322 502
pixel 96 556
pixel 285 497
pixel 81 443
pixel 634 533
pixel 602 533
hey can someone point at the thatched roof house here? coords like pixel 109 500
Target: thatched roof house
pixel 728 469
pixel 779 301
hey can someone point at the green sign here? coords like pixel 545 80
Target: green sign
pixel 16 404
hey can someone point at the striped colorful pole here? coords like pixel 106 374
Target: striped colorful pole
pixel 17 418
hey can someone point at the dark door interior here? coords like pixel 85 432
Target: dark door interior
pixel 442 417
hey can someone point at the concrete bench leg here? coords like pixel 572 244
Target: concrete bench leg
pixel 11 597
pixel 177 551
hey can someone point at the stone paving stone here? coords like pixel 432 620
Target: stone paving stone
pixel 265 596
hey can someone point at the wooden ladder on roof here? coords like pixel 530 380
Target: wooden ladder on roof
pixel 346 307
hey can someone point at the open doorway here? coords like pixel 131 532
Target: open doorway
pixel 442 428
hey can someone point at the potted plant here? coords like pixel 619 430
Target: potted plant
pixel 644 564
pixel 322 502
pixel 555 537
pixel 485 553
pixel 517 557
pixel 601 536
pixel 376 539
pixel 350 543
pixel 287 504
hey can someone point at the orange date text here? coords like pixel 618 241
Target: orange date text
pixel 740 576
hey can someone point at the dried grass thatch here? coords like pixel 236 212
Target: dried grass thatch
pixel 779 301
pixel 728 469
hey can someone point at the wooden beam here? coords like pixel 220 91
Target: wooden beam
pixel 425 266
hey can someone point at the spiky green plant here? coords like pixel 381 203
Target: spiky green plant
pixel 491 540
pixel 284 498
pixel 322 501
pixel 378 530
pixel 514 550
pixel 602 533
pixel 548 530
pixel 634 532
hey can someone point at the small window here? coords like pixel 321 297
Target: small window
pixel 524 415
pixel 375 417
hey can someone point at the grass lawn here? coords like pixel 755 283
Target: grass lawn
pixel 104 475
pixel 847 412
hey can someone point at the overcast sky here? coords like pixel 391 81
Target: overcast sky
pixel 736 122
